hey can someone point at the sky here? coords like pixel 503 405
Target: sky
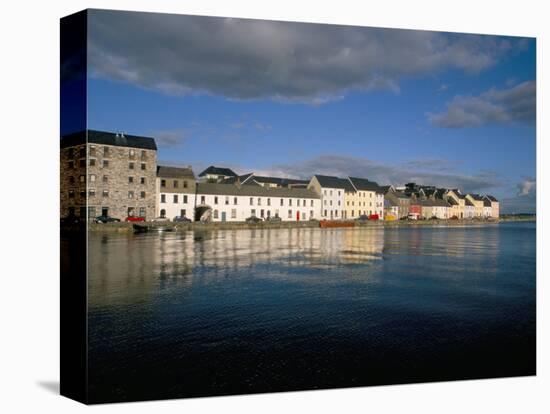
pixel 296 99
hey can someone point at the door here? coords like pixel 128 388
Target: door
pixel 104 211
pixel 297 216
pixel 223 215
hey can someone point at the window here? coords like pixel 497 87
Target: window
pixel 82 178
pixel 184 199
pixel 325 213
pixel 215 214
pixel 130 180
pixel 235 200
pixel 71 165
pixel 330 202
pixel 310 214
pixel 216 200
pixel 91 193
pixel 338 193
pixel 175 199
pixel 298 202
pixel 131 165
pixel 269 201
pixel 277 213
pixel 92 162
pixel 82 162
pixel 71 179
pixel 290 201
pixel 282 201
pixel 259 201
pixel 105 179
pixel 130 194
pixel 142 211
pixel 105 193
pixel 226 200
pixel 132 153
pixel 324 192
pixel 311 203
pixel 92 178
pixel 233 213
pixel 253 213
pixel 163 183
pixel 175 183
pixel 82 194
pixel 142 180
pixel 106 152
pixel 184 184
pixel 71 193
pixel 143 166
pixel 163 198
pixel 92 151
pixel 203 200
pixel 331 192
pixel 142 194
pixel 105 163
pixel 289 214
pixel 143 155
pixel 163 213
pixel 182 212
pixel 335 213
pixel 251 201
pixel 82 152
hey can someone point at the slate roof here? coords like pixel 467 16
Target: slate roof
pixel 108 138
pixel 279 181
pixel 490 197
pixel 175 172
pixel 486 202
pixel 362 184
pixel 476 197
pixel 218 171
pixel 254 191
pixel 469 203
pixel 329 181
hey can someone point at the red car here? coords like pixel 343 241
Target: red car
pixel 374 217
pixel 134 218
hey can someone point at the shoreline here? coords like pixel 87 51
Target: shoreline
pixel 125 227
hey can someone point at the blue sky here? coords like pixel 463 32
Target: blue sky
pixel 297 99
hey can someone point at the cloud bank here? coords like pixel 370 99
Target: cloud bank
pixel 252 59
pixel 514 105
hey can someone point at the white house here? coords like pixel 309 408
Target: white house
pixel 237 202
pixel 175 192
pixel 487 208
pixel 332 193
pixel 469 209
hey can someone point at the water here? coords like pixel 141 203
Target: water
pixel 226 312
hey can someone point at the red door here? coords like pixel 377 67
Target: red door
pixel 297 216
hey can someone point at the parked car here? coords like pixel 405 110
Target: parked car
pixel 161 219
pixel 253 219
pixel 374 217
pixel 134 218
pixel 454 218
pixel 106 219
pixel 274 218
pixel 413 216
pixel 433 218
pixel 363 217
pixel 181 219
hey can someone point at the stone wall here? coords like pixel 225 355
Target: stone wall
pixel 106 185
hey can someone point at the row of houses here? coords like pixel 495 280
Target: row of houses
pixel 117 175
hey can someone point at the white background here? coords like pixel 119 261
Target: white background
pixel 29 269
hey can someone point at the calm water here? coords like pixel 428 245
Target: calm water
pixel 225 312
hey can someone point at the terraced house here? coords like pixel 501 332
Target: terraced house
pixel 237 202
pixel 367 199
pixel 105 173
pixel 332 191
pixel 175 192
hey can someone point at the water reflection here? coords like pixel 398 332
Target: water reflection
pixel 125 267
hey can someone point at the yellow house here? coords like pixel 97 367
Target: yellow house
pixel 368 199
pixel 477 201
pixel 457 202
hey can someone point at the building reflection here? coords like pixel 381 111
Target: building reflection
pixel 129 268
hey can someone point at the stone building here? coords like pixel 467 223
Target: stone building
pixel 105 173
pixel 176 187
